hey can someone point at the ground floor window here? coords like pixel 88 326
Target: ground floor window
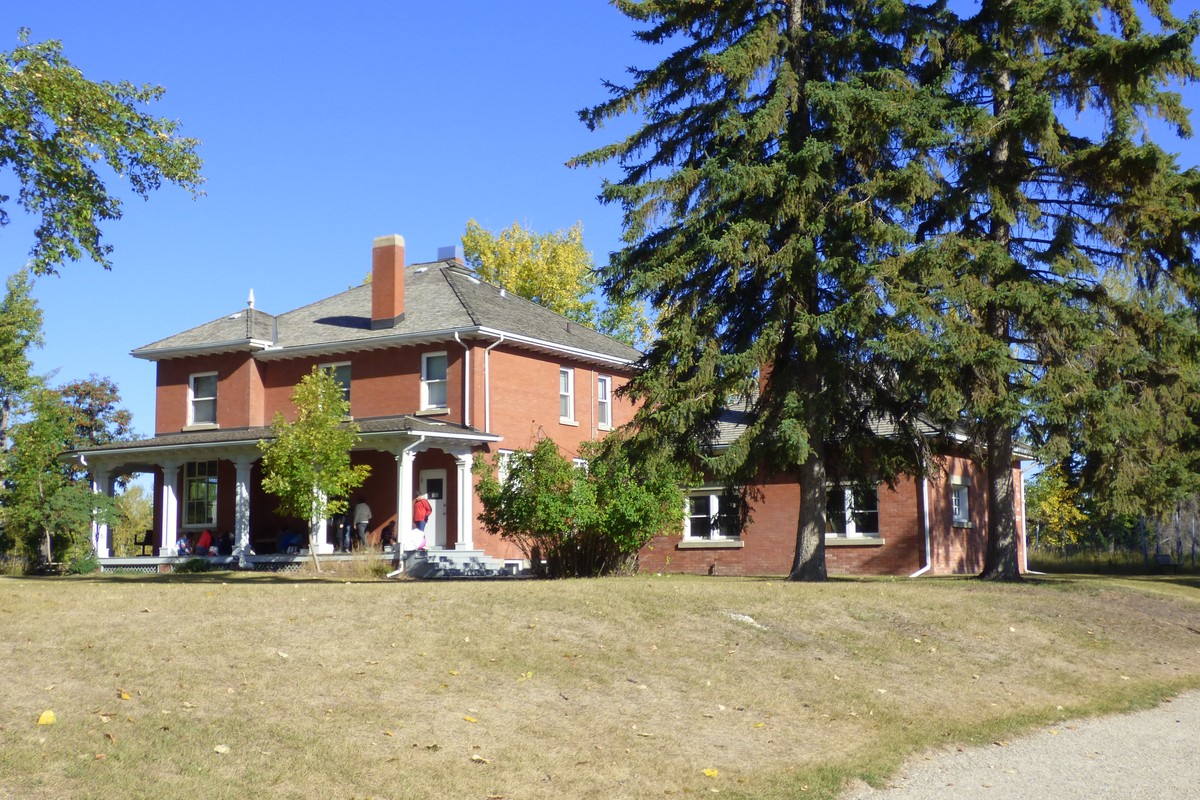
pixel 713 513
pixel 200 494
pixel 852 511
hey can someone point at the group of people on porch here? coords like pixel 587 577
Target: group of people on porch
pixel 349 532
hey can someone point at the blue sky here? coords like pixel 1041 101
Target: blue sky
pixel 324 125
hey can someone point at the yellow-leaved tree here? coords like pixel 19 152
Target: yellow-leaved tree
pixel 554 270
pixel 1053 509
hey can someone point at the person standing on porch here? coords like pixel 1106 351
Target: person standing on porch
pixel 421 511
pixel 362 518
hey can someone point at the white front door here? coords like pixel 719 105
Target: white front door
pixel 433 484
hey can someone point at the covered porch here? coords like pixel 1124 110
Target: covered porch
pixel 211 480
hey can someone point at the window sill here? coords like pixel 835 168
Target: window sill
pixel 203 426
pixel 962 523
pixel 710 544
pixel 571 422
pixel 602 426
pixel 431 412
pixel 833 540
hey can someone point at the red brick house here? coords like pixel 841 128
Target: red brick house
pixel 917 526
pixel 438 366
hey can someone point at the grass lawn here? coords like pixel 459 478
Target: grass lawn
pixel 246 686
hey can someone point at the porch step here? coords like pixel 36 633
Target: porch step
pixel 433 564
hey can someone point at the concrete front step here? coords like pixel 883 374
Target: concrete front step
pixel 430 564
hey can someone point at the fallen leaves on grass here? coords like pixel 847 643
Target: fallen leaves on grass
pixel 711 772
pixel 47 718
pixel 221 749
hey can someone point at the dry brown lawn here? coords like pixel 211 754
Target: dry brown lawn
pixel 248 686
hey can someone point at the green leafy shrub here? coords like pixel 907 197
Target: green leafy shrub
pixel 578 520
pixel 193 565
pixel 83 565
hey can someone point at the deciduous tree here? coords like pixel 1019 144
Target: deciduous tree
pixel 578 519
pixel 20 331
pixel 56 125
pixel 47 512
pixel 306 463
pixel 554 270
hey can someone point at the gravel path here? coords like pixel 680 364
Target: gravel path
pixel 1147 754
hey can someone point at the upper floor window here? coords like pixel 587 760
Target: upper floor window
pixel 960 503
pixel 341 374
pixel 566 395
pixel 202 396
pixel 852 511
pixel 604 402
pixel 712 513
pixel 433 380
pixel 200 494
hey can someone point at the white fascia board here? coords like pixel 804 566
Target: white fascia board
pixel 233 346
pixel 542 344
pixel 376 342
pixel 450 435
pixel 281 352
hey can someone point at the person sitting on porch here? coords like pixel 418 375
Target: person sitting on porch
pixel 185 545
pixel 225 545
pixel 388 537
pixel 289 541
pixel 204 543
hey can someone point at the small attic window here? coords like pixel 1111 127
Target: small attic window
pixel 238 315
pixel 421 269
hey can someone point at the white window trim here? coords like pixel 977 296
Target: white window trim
pixel 332 367
pixel 852 532
pixel 199 526
pixel 569 394
pixel 961 484
pixel 604 406
pixel 425 382
pixel 191 401
pixel 713 534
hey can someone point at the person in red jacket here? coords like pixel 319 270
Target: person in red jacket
pixel 204 543
pixel 421 511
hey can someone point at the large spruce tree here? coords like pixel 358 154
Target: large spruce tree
pixel 1056 211
pixel 780 143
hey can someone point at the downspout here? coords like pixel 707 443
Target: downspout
pixel 925 509
pixel 487 385
pixel 466 380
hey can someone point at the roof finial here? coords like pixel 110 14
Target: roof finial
pixel 250 301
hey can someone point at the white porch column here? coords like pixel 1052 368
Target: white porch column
pixel 404 498
pixel 241 523
pixel 101 484
pixel 466 488
pixel 170 509
pixel 318 532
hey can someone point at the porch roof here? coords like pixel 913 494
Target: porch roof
pixel 376 433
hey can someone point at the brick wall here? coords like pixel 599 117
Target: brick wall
pixel 769 538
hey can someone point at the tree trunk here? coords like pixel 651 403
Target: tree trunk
pixel 809 562
pixel 1001 562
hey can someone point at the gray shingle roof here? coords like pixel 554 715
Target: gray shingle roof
pixel 406 424
pixel 441 298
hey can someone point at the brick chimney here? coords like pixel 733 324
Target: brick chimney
pixel 387 281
